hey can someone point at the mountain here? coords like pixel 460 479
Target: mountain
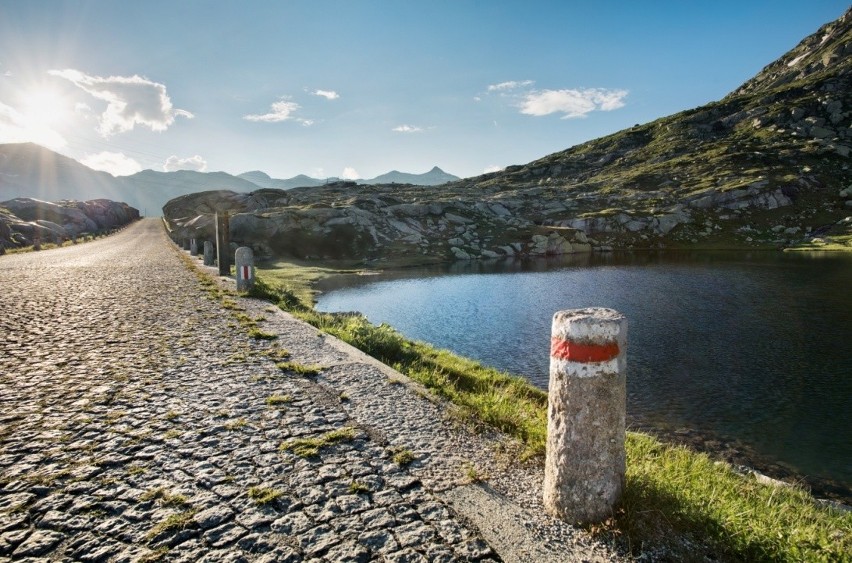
pixel 29 170
pixel 263 180
pixel 148 190
pixel 768 166
pixel 434 177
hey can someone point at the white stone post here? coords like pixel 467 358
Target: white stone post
pixel 208 253
pixel 585 464
pixel 244 261
pixel 193 247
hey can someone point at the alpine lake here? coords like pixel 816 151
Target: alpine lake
pixel 747 355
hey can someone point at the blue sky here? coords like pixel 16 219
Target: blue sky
pixel 357 88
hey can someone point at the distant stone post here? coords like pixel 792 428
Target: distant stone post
pixel 36 243
pixel 244 261
pixel 208 253
pixel 223 241
pixel 186 244
pixel 193 247
pixel 584 463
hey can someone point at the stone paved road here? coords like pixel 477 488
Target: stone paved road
pixel 138 422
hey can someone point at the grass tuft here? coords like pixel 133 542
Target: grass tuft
pixel 258 334
pixel 310 447
pixel 276 400
pixel 298 368
pixel 264 495
pixel 403 457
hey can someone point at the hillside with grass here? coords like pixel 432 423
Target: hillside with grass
pixel 766 167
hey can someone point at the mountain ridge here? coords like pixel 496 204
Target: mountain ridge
pixel 767 167
pixel 30 170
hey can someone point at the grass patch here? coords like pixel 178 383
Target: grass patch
pixel 172 523
pixel 236 424
pixel 298 368
pixel 258 334
pixel 358 488
pixel 276 400
pixel 672 491
pixel 403 457
pixel 165 497
pixel 310 447
pixel 277 353
pixel 264 495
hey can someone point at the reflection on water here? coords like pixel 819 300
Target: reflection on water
pixel 752 346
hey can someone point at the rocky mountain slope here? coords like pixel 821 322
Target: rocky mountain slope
pixel 25 220
pixel 768 166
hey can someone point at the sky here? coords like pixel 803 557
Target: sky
pixel 355 89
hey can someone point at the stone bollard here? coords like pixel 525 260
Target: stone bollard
pixel 208 253
pixel 244 261
pixel 186 244
pixel 193 247
pixel 223 242
pixel 585 464
pixel 36 243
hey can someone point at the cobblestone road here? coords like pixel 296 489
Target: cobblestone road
pixel 138 421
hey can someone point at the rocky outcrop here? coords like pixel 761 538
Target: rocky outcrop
pixel 374 227
pixel 24 220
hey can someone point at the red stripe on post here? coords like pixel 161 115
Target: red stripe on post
pixel 582 353
pixel 245 272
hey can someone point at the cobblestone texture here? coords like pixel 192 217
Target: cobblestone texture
pixel 138 422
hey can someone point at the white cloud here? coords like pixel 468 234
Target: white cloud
pixel 510 85
pixel 327 94
pixel 280 111
pixel 116 163
pixel 131 101
pixel 350 173
pixel 407 129
pixel 572 103
pixel 493 169
pixel 174 163
pixel 15 127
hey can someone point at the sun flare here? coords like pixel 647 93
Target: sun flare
pixel 44 107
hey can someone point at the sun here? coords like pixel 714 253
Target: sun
pixel 44 107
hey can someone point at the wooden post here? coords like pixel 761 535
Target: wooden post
pixel 223 241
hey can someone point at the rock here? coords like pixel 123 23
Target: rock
pixel 26 219
pixel 822 132
pixel 459 254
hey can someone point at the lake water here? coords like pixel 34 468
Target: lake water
pixel 751 347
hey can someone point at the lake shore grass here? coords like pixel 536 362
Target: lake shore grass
pixel 677 503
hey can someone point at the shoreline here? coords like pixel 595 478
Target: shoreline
pixel 720 448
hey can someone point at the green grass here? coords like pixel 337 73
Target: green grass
pixel 258 334
pixel 674 499
pixel 310 447
pixel 301 369
pixel 276 400
pixel 264 495
pixel 403 457
pixel 358 488
pixel 173 522
pixel 164 496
